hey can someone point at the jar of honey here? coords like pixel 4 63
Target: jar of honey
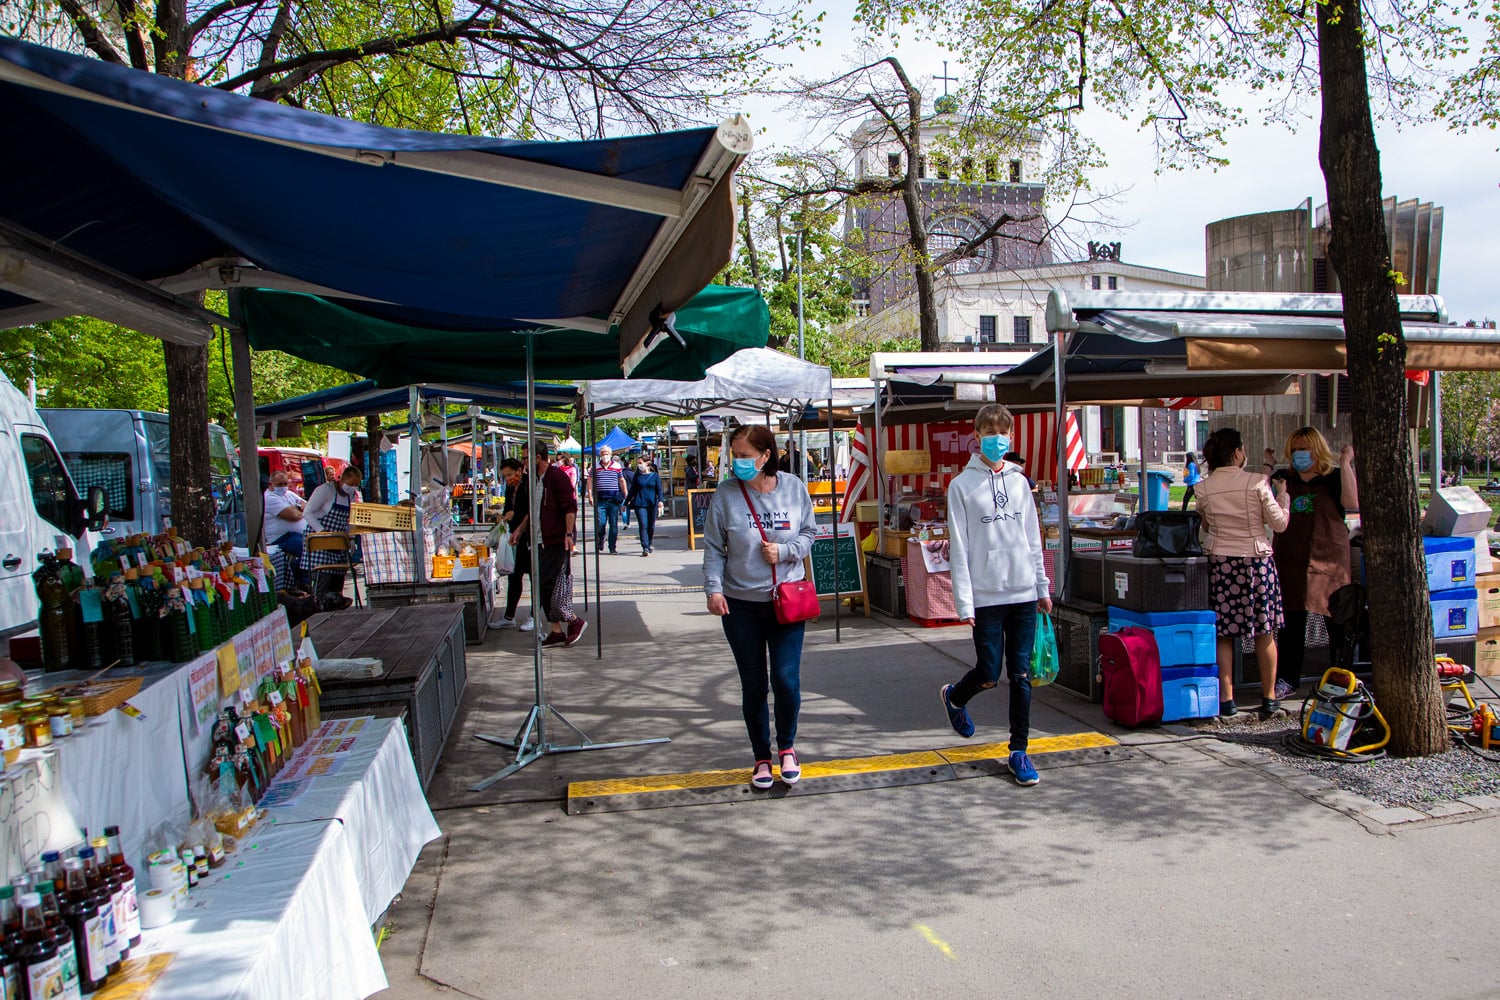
pixel 11 692
pixel 38 731
pixel 12 733
pixel 75 709
pixel 30 707
pixel 61 722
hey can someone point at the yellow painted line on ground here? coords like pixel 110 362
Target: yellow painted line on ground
pixel 932 939
pixel 813 770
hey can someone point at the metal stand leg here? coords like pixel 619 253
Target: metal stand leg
pixel 530 743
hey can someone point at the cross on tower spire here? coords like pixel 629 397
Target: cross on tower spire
pixel 945 78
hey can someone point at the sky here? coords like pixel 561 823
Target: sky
pixel 1162 215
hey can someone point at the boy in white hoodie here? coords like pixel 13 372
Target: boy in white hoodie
pixel 999 581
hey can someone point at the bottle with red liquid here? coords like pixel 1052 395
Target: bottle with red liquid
pixel 116 885
pixel 41 965
pixel 10 943
pixel 62 935
pixel 126 875
pixel 99 887
pixel 82 917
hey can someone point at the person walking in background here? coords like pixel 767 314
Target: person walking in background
pixel 999 581
pixel 571 470
pixel 740 570
pixel 1191 477
pixel 1237 506
pixel 690 477
pixel 1312 554
pixel 644 496
pixel 609 494
pixel 558 512
pixel 516 515
pixel 627 480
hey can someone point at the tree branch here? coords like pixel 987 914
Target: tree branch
pixel 218 10
pixel 92 34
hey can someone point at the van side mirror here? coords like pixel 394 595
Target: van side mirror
pixel 95 507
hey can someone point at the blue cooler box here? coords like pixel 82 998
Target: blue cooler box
pixel 1189 692
pixel 1183 638
pixel 1455 613
pixel 1450 562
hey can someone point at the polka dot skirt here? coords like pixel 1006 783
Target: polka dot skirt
pixel 1246 594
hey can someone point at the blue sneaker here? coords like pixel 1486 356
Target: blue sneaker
pixel 958 718
pixel 1021 767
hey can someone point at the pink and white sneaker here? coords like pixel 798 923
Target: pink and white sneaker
pixel 791 769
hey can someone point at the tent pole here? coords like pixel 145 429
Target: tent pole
pixel 245 430
pixel 581 525
pixel 594 523
pixel 530 743
pixel 874 457
pixel 414 486
pixel 833 492
pixel 1064 540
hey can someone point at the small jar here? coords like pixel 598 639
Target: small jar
pixel 61 722
pixel 12 733
pixel 38 731
pixel 75 709
pixel 11 693
pixel 31 707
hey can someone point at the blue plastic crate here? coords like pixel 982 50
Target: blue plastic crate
pixel 1455 613
pixel 1195 697
pixel 1183 638
pixel 1450 562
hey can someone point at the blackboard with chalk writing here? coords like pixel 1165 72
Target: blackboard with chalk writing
pixel 698 503
pixel 850 576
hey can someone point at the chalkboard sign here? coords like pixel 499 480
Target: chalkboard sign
pixel 850 564
pixel 698 503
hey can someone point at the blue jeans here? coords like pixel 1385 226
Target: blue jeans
pixel 1007 630
pixel 609 515
pixel 645 523
pixel 753 632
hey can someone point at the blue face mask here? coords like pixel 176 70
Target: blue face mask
pixel 744 468
pixel 994 446
pixel 1302 460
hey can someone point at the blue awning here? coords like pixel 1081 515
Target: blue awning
pixel 615 440
pixel 155 178
pixel 366 399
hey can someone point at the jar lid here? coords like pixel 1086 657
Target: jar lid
pixel 58 711
pixel 38 719
pixel 8 686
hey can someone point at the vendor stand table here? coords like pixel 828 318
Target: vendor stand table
pixel 425 671
pixel 929 596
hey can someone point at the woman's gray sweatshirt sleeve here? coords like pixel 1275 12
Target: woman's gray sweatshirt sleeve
pixel 797 549
pixel 715 545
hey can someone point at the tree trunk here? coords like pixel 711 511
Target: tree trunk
pixel 916 222
pixel 372 460
pixel 193 506
pixel 1406 686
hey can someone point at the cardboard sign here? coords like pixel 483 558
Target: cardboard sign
pixel 229 671
pixel 33 816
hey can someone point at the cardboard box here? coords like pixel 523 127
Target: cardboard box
pixel 1488 585
pixel 895 543
pixel 1455 510
pixel 1483 561
pixel 1487 653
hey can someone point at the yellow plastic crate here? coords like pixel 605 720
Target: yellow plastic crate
pixel 382 517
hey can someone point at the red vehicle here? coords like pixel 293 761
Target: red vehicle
pixel 305 468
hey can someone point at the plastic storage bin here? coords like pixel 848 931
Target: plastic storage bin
pixel 1450 562
pixel 1156 492
pixel 1455 613
pixel 1183 638
pixel 1189 692
pixel 1155 584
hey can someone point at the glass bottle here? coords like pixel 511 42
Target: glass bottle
pixel 62 936
pixel 10 943
pixel 119 625
pixel 116 883
pixel 90 633
pixel 149 628
pixel 52 616
pixel 82 917
pixel 127 877
pixel 176 635
pixel 41 975
pixel 98 886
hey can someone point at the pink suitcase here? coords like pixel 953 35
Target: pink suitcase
pixel 1131 668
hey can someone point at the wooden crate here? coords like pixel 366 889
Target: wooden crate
pixel 382 517
pixel 895 544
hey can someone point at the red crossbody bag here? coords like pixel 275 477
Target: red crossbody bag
pixel 796 600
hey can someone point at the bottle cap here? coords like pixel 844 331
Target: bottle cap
pixel 111 831
pixel 30 899
pixel 43 887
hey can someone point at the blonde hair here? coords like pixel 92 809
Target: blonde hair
pixel 1316 444
pixel 993 417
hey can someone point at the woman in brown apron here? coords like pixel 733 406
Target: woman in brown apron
pixel 1312 554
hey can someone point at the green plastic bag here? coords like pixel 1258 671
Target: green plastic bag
pixel 1044 652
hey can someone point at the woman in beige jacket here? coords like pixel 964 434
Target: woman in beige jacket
pixel 1237 506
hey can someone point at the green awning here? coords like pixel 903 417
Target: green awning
pixel 718 321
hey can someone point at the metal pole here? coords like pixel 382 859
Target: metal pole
pixel 414 486
pixel 598 580
pixel 801 356
pixel 581 526
pixel 245 431
pixel 1064 536
pixel 534 538
pixel 1437 431
pixel 833 491
pixel 874 457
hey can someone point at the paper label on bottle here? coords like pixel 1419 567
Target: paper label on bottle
pixel 243 732
pixel 125 566
pixel 44 978
pixel 194 572
pixel 98 967
pixel 132 911
pixel 244 593
pixel 141 560
pixel 274 697
pixel 244 698
pixel 91 606
pixel 72 989
pixel 192 625
pixel 260 581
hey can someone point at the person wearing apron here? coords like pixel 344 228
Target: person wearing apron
pixel 328 510
pixel 1312 554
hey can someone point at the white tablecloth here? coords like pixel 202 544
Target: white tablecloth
pixel 281 920
pixel 379 799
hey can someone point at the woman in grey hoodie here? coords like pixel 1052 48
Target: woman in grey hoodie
pixel 740 569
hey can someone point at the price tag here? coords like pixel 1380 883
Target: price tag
pixel 141 560
pixel 194 572
pixel 244 593
pixel 243 732
pixel 274 697
pixel 91 606
pixel 125 566
pixel 244 698
pixel 260 581
pixel 192 624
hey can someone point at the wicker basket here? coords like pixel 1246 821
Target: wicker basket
pixel 382 517
pixel 100 697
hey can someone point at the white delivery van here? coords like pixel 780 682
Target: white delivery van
pixel 129 453
pixel 37 503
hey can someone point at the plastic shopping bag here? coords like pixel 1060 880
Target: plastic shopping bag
pixel 1044 652
pixel 505 558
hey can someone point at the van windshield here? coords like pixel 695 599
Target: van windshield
pixel 50 492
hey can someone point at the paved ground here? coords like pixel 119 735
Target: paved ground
pixel 1186 869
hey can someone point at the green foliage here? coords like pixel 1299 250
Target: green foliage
pixel 1471 422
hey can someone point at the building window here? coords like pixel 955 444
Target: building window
pixel 1015 171
pixel 942 168
pixel 1021 327
pixel 987 327
pixel 893 164
pixel 921 167
pixel 1114 283
pixel 1095 283
pixel 968 170
pixel 992 170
